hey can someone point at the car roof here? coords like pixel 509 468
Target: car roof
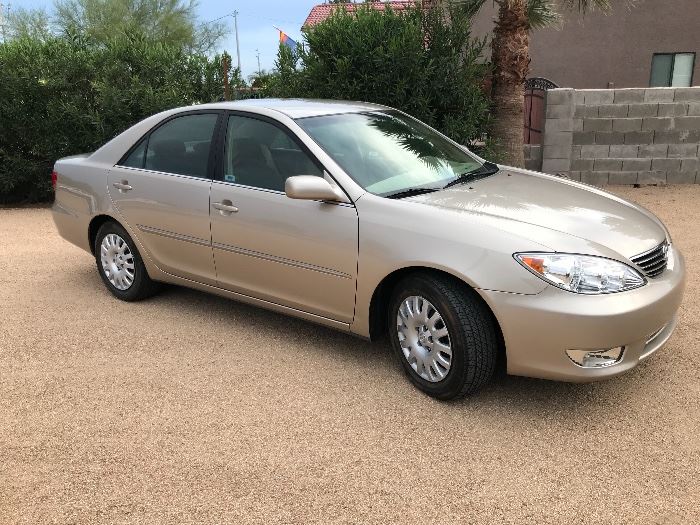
pixel 298 107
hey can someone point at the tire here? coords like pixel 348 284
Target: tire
pixel 134 285
pixel 471 335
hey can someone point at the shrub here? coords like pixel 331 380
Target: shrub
pixel 63 96
pixel 422 61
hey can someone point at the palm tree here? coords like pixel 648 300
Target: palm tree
pixel 510 59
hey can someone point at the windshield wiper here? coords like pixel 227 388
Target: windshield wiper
pixel 486 169
pixel 410 192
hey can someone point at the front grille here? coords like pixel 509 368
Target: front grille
pixel 653 263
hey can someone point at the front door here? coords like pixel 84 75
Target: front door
pixel 301 254
pixel 161 189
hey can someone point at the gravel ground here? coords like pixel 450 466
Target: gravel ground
pixel 189 408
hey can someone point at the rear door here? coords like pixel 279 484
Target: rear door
pixel 301 254
pixel 161 188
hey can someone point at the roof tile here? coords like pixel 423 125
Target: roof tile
pixel 320 12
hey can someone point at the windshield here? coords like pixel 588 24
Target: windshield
pixel 387 152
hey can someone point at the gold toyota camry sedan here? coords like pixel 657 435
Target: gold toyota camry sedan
pixel 364 219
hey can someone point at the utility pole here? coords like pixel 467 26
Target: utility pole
pixel 238 50
pixel 2 20
pixel 259 69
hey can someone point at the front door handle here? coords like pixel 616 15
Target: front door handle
pixel 122 186
pixel 225 207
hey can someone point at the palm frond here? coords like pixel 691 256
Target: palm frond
pixel 470 7
pixel 542 13
pixel 585 6
pixel 547 13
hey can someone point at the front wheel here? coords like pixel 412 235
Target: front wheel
pixel 120 265
pixel 443 335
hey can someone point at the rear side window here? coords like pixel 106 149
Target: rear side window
pixel 136 157
pixel 179 146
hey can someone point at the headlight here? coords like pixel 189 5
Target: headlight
pixel 584 274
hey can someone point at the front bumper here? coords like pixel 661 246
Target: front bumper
pixel 538 329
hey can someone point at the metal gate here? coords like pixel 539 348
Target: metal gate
pixel 535 89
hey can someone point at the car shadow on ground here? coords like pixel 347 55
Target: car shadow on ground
pixel 528 396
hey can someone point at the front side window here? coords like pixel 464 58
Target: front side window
pixel 179 146
pixel 262 155
pixel 387 152
pixel 672 70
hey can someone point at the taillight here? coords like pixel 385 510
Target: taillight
pixel 54 179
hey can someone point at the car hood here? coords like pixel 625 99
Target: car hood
pixel 531 201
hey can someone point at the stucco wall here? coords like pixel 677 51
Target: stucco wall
pixel 623 136
pixel 594 50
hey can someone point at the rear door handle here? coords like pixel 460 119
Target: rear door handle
pixel 122 186
pixel 226 207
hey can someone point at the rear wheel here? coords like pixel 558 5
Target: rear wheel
pixel 443 335
pixel 120 265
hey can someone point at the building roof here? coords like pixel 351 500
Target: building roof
pixel 320 12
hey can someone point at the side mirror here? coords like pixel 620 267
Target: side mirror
pixel 312 188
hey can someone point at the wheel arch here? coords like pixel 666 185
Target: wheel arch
pixel 382 293
pixel 95 223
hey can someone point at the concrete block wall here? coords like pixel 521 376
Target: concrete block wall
pixel 623 136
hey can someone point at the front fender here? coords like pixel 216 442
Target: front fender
pixel 399 234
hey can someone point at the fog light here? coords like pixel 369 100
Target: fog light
pixel 596 358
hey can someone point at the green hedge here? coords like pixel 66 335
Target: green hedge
pixel 64 96
pixel 424 62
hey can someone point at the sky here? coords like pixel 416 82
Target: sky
pixel 255 25
pixel 256 19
